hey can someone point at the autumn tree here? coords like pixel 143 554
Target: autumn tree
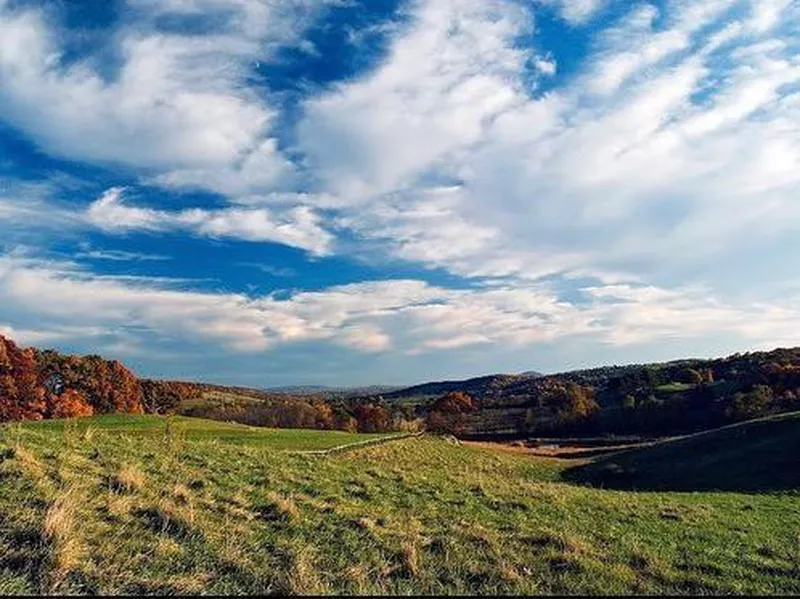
pixel 751 404
pixel 70 404
pixel 21 396
pixel 372 418
pixel 166 397
pixel 564 404
pixel 449 413
pixel 324 417
pixel 345 422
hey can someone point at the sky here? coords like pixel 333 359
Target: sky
pixel 352 192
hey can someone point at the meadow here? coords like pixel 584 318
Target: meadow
pixel 171 505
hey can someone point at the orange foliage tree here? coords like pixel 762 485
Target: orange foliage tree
pixel 70 404
pixel 21 396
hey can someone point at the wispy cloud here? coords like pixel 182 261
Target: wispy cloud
pixel 299 227
pixel 678 137
pixel 576 12
pixel 120 256
pixel 177 101
pixel 274 271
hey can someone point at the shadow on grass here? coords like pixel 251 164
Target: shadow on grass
pixel 757 456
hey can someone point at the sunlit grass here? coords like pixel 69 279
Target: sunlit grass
pixel 198 507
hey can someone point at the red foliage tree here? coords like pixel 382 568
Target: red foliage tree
pixel 373 418
pixel 21 396
pixel 454 402
pixel 107 386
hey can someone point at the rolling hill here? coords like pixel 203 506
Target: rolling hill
pixel 478 387
pixel 164 505
pixel 755 456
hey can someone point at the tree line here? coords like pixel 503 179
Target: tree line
pixel 36 384
pixel 41 384
pixel 667 398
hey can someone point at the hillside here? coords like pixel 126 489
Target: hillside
pixel 477 387
pixel 668 398
pixel 760 455
pixel 154 505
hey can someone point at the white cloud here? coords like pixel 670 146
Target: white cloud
pixel 577 12
pixel 34 337
pixel 674 145
pixel 404 315
pixel 119 255
pixel 443 83
pixel 299 227
pixel 640 315
pixel 177 105
pixel 679 137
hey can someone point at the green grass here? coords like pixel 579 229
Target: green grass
pixel 673 387
pixel 196 429
pixel 108 505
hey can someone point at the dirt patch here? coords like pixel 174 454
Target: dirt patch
pixel 497 446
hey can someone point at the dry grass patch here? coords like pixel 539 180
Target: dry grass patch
pixel 128 479
pixel 181 494
pixel 168 548
pixel 190 584
pixel 164 518
pixel 410 555
pixel 303 574
pixel 119 507
pixel 60 536
pixel 28 463
pixel 88 434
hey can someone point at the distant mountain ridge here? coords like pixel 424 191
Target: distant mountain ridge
pixel 476 385
pixel 333 391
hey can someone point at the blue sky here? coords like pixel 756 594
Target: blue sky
pixel 355 192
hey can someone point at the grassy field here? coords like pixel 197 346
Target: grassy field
pixel 674 387
pixel 148 505
pixel 151 428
